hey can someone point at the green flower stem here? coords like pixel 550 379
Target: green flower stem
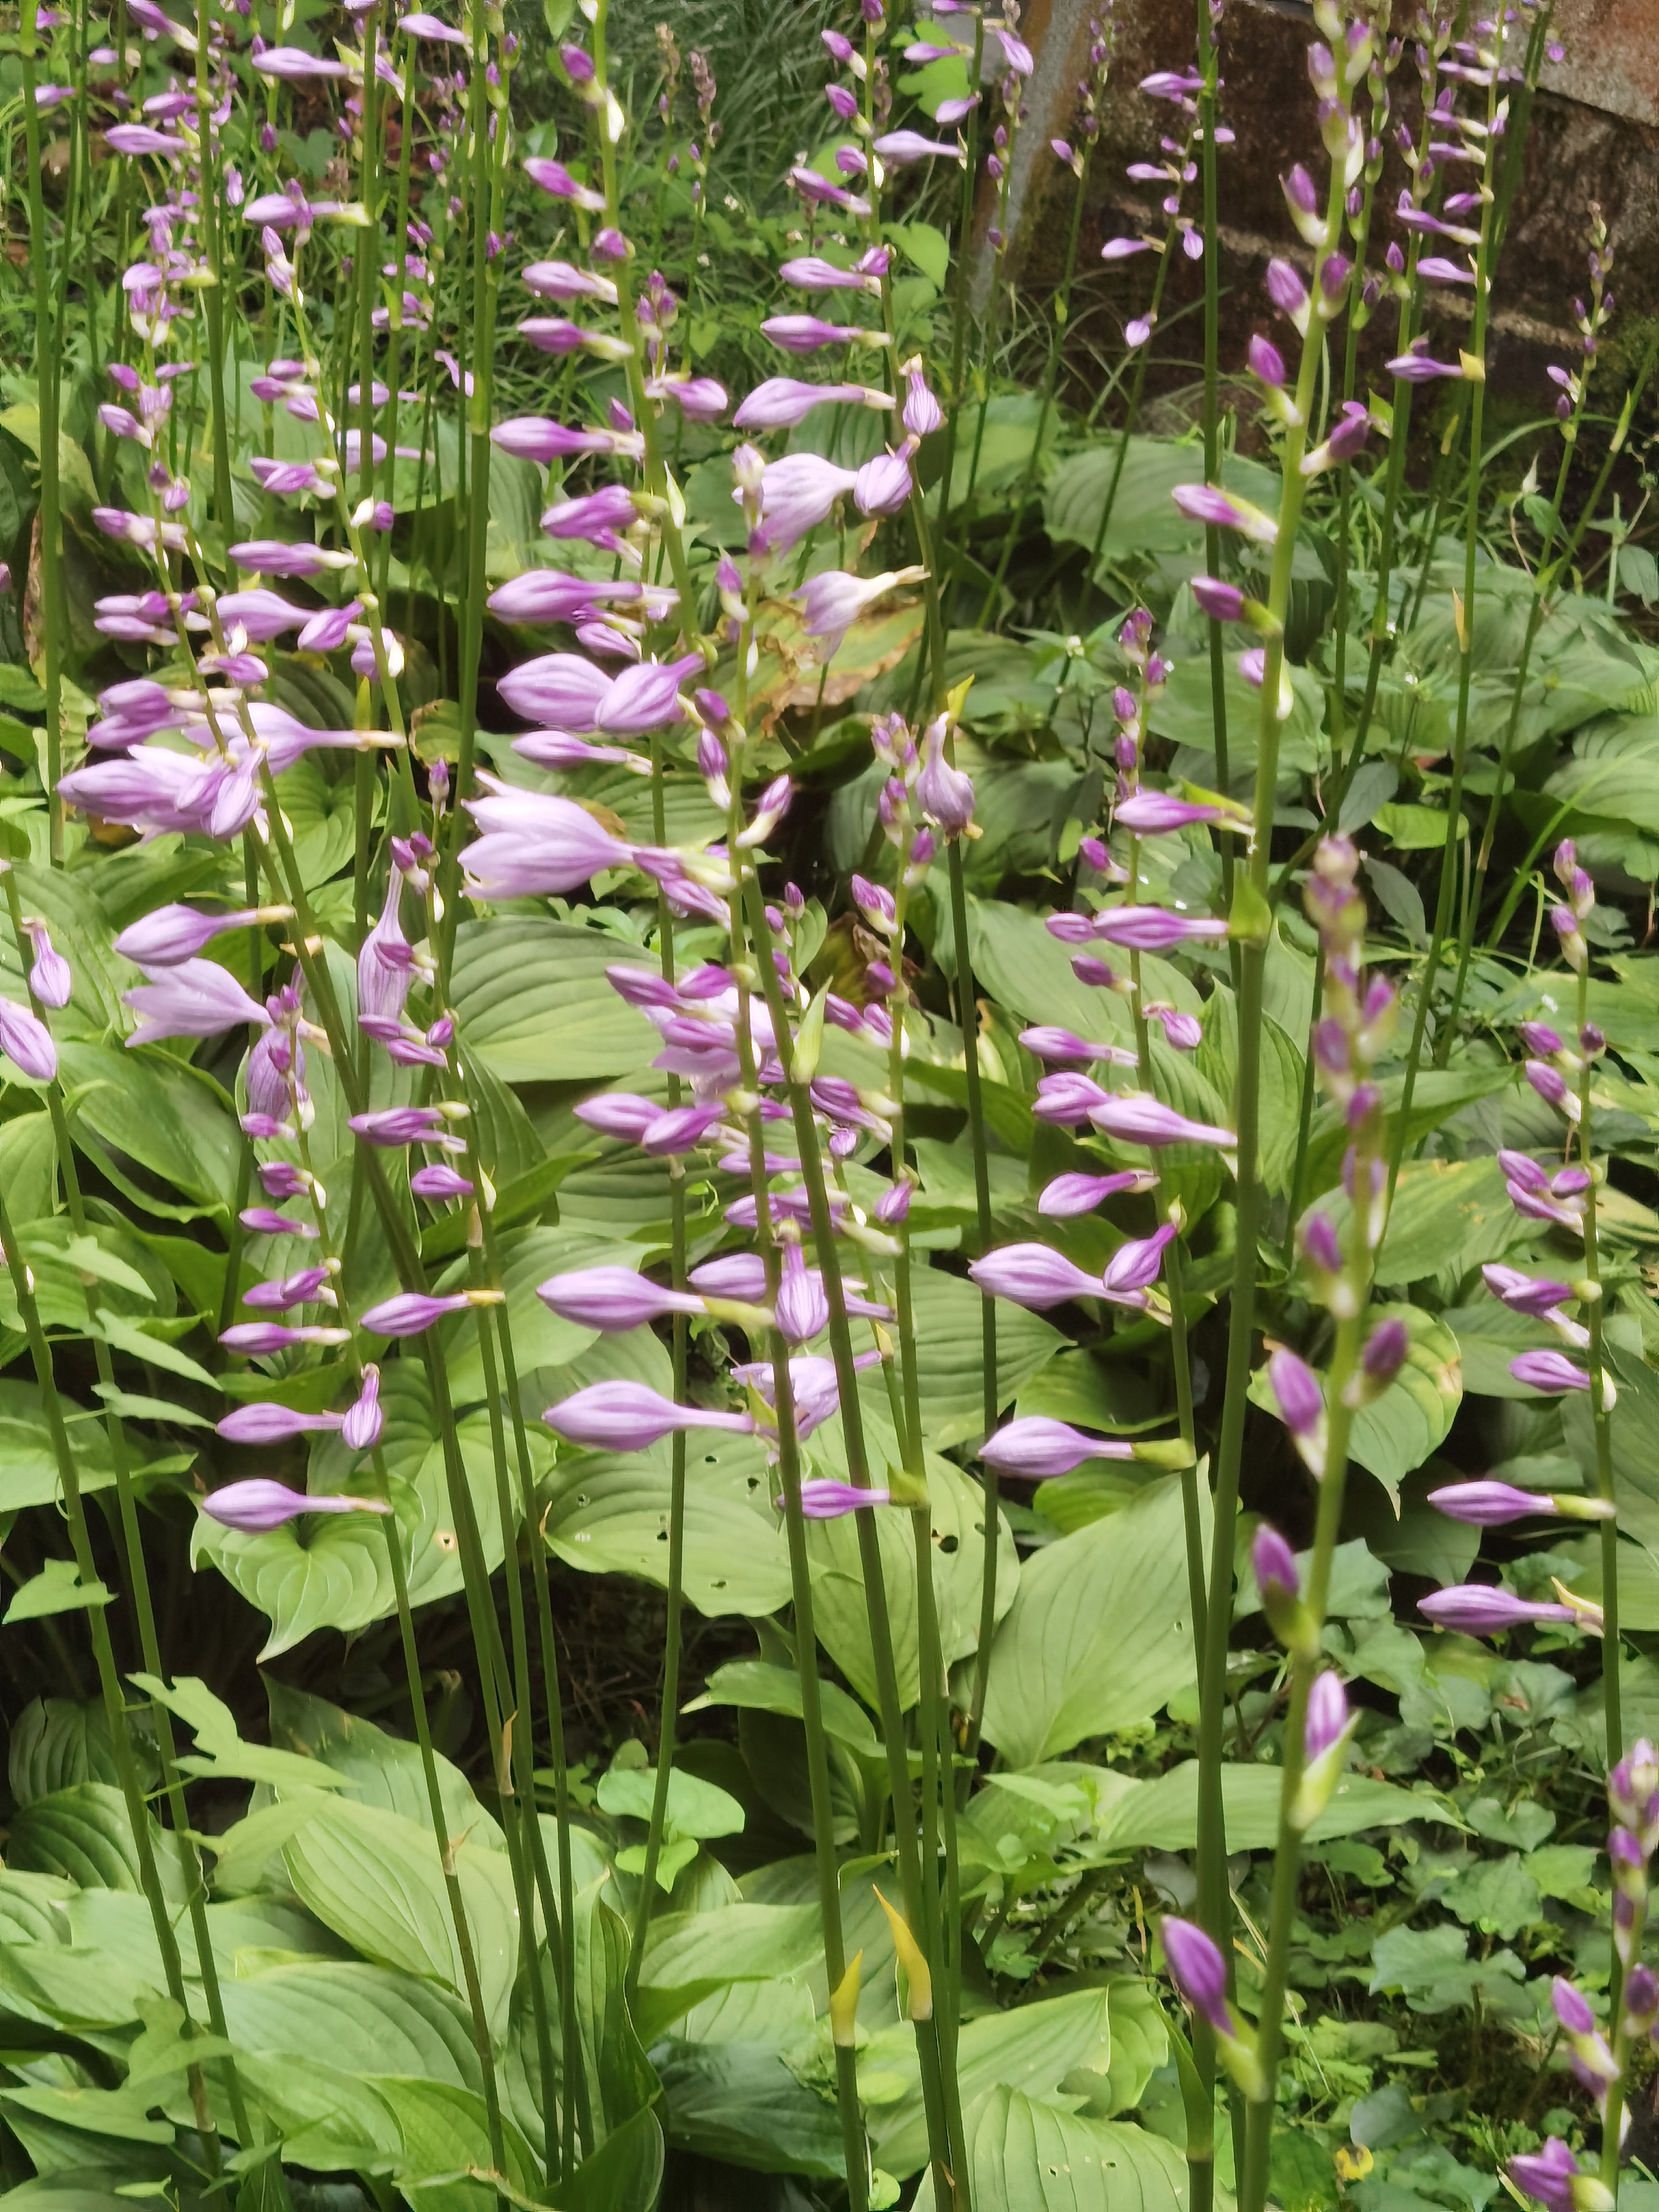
pixel 960 300
pixel 948 2159
pixel 1132 411
pixel 48 359
pixel 1051 370
pixel 407 112
pixel 854 2149
pixel 138 1571
pixel 1464 612
pixel 1602 1421
pixel 938 1804
pixel 224 513
pixel 1287 1858
pixel 1252 918
pixel 109 1680
pixel 394 1544
pixel 516 1779
pixel 1209 66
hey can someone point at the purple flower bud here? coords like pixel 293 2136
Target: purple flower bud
pixel 1482 1609
pixel 1327 1715
pixel 1039 1448
pixel 266 1423
pixel 255 1508
pixel 1385 1353
pixel 1134 1119
pixel 1572 2007
pixel 1221 602
pixel 824 1498
pixel 1541 1040
pixel 1525 1294
pixel 257 1340
pixel 1548 1371
pixel 1274 1563
pixel 612 1298
pixel 1547 2175
pixel 1197 1970
pixel 1286 289
pixel 1034 1275
pixel 360 1430
pixel 410 1312
pixel 1487 1504
pixel 1069 1194
pixel 1267 363
pixel 1296 1388
pixel 50 978
pixel 629 1417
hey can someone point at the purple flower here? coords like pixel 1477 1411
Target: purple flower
pixel 1040 1448
pixel 1548 1371
pixel 255 1507
pixel 139 138
pixel 1034 1275
pixel 267 1423
pixel 548 595
pixel 1434 270
pixel 922 413
pixel 1548 2175
pixel 1122 249
pixel 257 1340
pixel 612 1298
pixel 807 333
pixel 553 176
pixel 261 614
pixel 1221 602
pixel 1326 1720
pixel 192 998
pixel 292 1290
pixel 1267 363
pixel 1204 503
pixel 410 1312
pixel 1482 1609
pixel 50 978
pixel 431 27
pixel 833 602
pixel 797 493
pixel 1197 1970
pixel 1417 368
pixel 1155 929
pixel 1274 1563
pixel 1488 1505
pixel 293 66
pixel 945 793
pixel 699 398
pixel 1080 1194
pixel 534 843
pixel 1133 1118
pixel 1136 1264
pixel 1384 1354
pixel 629 1417
pixel 883 485
pixel 782 401
pixel 278 556
pixel 1046 1043
pixel 264 1221
pixel 360 1430
pixel 562 689
pixel 1296 1387
pixel 823 1498
pixel 597 516
pixel 1154 813
pixel 439 1182
pixel 904 146
pixel 803 1305
pixel 27 1042
pixel 400 1125
pixel 1525 1294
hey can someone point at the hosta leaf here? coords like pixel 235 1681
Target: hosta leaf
pixel 1399 1430
pixel 381 1769
pixel 729 2092
pixel 956 1520
pixel 1032 2048
pixel 370 2019
pixel 608 1515
pixel 624 2175
pixel 376 1879
pixel 1024 2152
pixel 28 1464
pixel 444 2134
pixel 145 1111
pixel 950 1362
pixel 57 1742
pixel 1099 1636
pixel 84 1833
pixel 540 1338
pixel 1162 1814
pixel 532 1001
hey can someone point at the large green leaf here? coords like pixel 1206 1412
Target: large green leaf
pixel 540 1338
pixel 624 2175
pixel 382 1770
pixel 533 1004
pixel 1024 2153
pixel 1162 1814
pixel 1398 1431
pixel 730 2093
pixel 377 1880
pixel 28 1464
pixel 446 2138
pixel 84 1832
pixel 148 1111
pixel 608 1515
pixel 951 1362
pixel 1033 2048
pixel 955 1517
pixel 369 2019
pixel 57 1742
pixel 1145 519
pixel 1099 1636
